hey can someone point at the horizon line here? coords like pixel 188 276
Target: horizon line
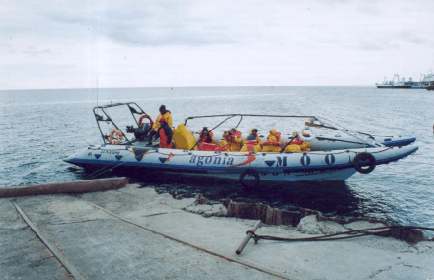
pixel 173 87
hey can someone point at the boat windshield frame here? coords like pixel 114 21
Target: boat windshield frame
pixel 101 115
pixel 230 116
pixel 320 122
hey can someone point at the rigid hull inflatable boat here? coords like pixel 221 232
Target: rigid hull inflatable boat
pixel 331 158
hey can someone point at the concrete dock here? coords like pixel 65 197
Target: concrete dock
pixel 136 233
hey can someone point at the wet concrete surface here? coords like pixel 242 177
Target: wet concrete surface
pixel 22 255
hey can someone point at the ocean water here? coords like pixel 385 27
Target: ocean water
pixel 39 128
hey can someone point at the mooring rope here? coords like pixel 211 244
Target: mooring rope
pixel 103 170
pixel 382 231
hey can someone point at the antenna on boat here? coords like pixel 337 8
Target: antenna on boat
pixel 97 62
pixel 97 90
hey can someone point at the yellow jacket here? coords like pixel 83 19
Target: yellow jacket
pixel 167 117
pixel 232 146
pixel 224 145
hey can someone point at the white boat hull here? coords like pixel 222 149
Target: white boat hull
pixel 336 165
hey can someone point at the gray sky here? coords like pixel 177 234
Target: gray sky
pixel 88 43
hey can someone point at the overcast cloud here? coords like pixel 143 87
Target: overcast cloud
pixel 62 44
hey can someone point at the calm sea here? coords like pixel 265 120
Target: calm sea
pixel 38 128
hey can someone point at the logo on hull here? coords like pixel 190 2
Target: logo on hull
pixel 211 160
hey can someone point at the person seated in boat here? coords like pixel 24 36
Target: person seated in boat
pixel 252 143
pixel 224 142
pixel 206 136
pixel 116 136
pixel 296 144
pixel 296 139
pixel 206 141
pixel 166 134
pixel 164 115
pixel 235 140
pixel 273 142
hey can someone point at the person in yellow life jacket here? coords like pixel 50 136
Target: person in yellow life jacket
pixel 296 144
pixel 236 141
pixel 252 143
pixel 224 142
pixel 273 142
pixel 166 116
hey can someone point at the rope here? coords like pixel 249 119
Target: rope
pixel 103 170
pixel 338 236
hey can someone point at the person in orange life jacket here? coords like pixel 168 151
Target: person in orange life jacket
pixel 166 134
pixel 164 115
pixel 206 136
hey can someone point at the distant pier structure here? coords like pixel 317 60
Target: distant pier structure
pixel 426 81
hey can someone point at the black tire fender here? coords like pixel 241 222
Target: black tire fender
pixel 364 162
pixel 250 184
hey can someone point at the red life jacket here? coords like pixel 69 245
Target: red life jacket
pixel 236 134
pixel 165 136
pixel 203 146
pixel 297 141
pixel 273 142
pixel 251 145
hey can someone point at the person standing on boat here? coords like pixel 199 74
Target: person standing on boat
pixel 165 116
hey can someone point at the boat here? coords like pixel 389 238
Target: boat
pixel 396 82
pixel 333 156
pixel 425 81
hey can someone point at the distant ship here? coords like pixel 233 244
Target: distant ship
pixel 426 81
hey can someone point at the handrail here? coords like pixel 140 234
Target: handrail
pixel 248 115
pixel 115 105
